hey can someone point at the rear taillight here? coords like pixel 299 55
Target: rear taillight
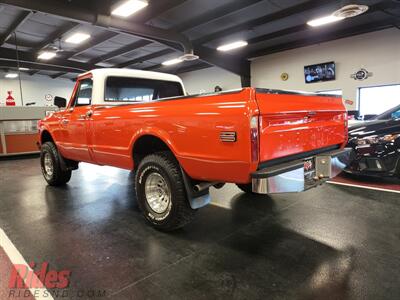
pixel 254 138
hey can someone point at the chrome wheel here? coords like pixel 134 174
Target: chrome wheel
pixel 48 165
pixel 158 193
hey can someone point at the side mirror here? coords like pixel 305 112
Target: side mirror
pixel 60 102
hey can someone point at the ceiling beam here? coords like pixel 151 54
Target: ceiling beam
pixel 120 51
pixel 145 58
pixel 324 36
pixel 90 44
pixel 58 75
pixel 28 60
pixel 305 28
pixel 156 8
pixel 56 35
pixel 248 25
pixel 215 14
pixel 32 72
pixel 76 13
pixel 23 16
pixel 180 69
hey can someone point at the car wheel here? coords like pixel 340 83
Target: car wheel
pixel 160 192
pixel 247 188
pixel 50 162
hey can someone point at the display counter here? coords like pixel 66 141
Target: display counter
pixel 18 129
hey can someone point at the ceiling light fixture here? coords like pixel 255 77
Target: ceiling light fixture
pixel 47 55
pixel 324 20
pixel 24 69
pixel 129 8
pixel 172 62
pixel 11 75
pixel 77 38
pixel 232 46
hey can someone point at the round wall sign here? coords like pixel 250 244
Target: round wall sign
pixel 48 97
pixel 361 74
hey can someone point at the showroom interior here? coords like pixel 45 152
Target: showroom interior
pixel 205 67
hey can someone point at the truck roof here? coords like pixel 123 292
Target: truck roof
pixel 106 72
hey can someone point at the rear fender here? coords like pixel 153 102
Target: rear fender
pixel 156 132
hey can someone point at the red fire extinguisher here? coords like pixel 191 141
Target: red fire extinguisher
pixel 10 101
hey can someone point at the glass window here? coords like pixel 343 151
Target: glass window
pixel 125 89
pixel 84 95
pixel 376 100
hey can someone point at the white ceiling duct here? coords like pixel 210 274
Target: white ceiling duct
pixel 350 11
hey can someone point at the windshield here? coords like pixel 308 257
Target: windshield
pixel 387 115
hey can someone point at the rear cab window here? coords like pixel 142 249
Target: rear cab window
pixel 127 89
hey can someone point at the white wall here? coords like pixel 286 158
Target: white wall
pixel 378 52
pixel 204 81
pixel 34 88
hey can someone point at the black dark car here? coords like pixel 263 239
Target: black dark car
pixel 376 146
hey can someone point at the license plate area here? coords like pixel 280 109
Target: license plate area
pixel 309 172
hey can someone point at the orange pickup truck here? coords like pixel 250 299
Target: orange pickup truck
pixel 263 140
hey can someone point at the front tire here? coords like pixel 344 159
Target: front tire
pixel 50 161
pixel 161 194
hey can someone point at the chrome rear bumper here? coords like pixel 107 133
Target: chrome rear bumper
pixel 302 174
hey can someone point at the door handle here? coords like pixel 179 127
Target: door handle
pixel 89 113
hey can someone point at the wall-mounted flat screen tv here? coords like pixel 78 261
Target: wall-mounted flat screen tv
pixel 320 72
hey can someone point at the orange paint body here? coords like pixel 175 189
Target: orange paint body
pixel 191 128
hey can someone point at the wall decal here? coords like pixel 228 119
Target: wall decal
pixel 10 101
pixel 349 102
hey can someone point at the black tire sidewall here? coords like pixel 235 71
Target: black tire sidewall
pixel 59 176
pixel 180 212
pixel 46 148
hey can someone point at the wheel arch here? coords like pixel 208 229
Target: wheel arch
pixel 149 143
pixel 46 136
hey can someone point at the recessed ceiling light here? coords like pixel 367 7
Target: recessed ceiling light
pixel 77 38
pixel 172 62
pixel 24 69
pixel 11 75
pixel 129 7
pixel 324 20
pixel 47 55
pixel 232 46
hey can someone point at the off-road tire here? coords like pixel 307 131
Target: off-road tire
pixel 247 188
pixel 178 212
pixel 59 176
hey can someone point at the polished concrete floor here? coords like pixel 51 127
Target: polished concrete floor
pixel 332 242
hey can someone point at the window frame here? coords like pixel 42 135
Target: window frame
pixel 77 90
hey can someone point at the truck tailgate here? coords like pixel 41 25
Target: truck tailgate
pixel 292 123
